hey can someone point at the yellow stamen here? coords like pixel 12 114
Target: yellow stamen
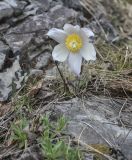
pixel 73 42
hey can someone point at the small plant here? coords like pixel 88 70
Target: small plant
pixel 61 123
pixel 18 134
pixel 24 100
pixel 54 146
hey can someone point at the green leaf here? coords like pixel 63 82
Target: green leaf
pixel 61 123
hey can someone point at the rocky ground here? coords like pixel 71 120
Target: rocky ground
pixel 98 106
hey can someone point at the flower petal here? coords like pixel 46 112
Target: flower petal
pixel 68 28
pixel 57 34
pixel 75 61
pixel 77 28
pixel 88 52
pixel 60 53
pixel 88 32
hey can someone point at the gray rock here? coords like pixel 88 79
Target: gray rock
pixel 17 4
pixel 58 10
pixel 5 55
pixel 36 73
pixel 18 41
pixel 12 3
pixel 6 10
pixel 95 121
pixel 4 52
pixel 31 9
pixel 2 59
pixel 51 73
pixel 89 157
pixel 4 27
pixel 43 60
pixel 23 34
pixel 73 4
pixel 12 75
pixel 43 4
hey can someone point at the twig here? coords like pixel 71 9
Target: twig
pixel 121 112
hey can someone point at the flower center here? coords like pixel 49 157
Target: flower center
pixel 73 42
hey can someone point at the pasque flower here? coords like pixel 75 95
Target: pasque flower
pixel 74 44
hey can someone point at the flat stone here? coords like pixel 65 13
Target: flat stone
pixel 73 4
pixel 61 11
pixel 95 121
pixel 6 10
pixel 12 3
pixel 43 60
pixel 36 73
pixel 18 41
pixel 21 36
pixel 43 4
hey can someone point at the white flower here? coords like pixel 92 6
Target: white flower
pixel 74 43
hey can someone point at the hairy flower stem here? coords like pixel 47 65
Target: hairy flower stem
pixel 66 88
